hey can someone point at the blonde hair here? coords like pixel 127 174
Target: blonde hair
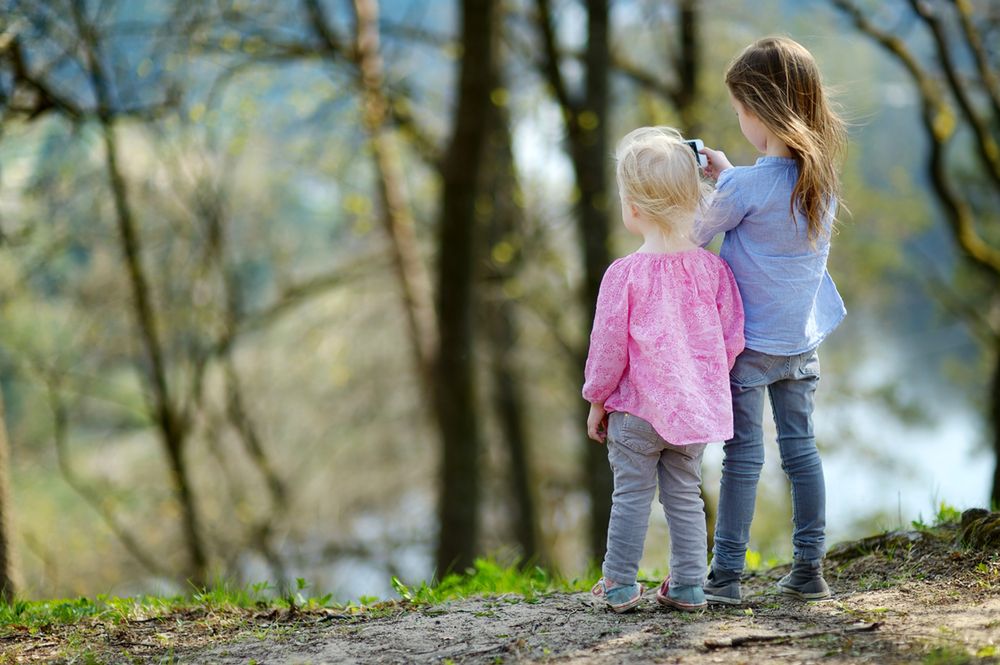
pixel 777 80
pixel 657 172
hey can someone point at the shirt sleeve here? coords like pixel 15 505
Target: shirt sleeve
pixel 730 306
pixel 608 354
pixel 724 211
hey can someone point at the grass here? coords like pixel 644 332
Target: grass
pixel 221 597
pixel 105 629
pixel 488 578
pixel 513 582
pixel 947 655
pixel 90 630
pixel 946 516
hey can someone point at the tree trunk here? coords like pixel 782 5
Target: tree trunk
pixel 688 58
pixel 502 262
pixel 508 402
pixel 589 152
pixel 8 586
pixel 586 130
pixel 993 415
pixel 454 393
pixel 413 282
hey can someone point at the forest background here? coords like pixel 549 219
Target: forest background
pixel 302 289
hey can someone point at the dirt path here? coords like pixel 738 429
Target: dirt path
pixel 942 618
pixel 915 597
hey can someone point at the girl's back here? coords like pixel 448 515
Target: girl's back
pixel 789 300
pixel 666 332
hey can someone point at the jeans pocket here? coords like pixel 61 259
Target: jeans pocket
pixel 808 365
pixel 693 452
pixel 637 435
pixel 751 368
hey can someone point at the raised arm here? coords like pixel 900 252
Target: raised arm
pixel 724 210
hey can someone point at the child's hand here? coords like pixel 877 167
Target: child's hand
pixel 717 162
pixel 597 423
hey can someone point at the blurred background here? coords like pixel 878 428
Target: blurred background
pixel 304 288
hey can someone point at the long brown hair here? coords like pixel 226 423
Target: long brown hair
pixel 777 80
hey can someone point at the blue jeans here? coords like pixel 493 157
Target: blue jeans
pixel 790 381
pixel 641 460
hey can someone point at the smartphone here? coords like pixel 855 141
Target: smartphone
pixel 697 145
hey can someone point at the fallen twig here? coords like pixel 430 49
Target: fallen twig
pixel 777 639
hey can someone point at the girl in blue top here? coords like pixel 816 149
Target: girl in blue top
pixel 777 216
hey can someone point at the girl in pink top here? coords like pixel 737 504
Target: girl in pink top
pixel 667 329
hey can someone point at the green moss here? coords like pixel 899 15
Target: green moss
pixel 980 529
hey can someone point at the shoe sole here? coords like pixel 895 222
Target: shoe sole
pixel 630 605
pixel 723 600
pixel 624 607
pixel 667 601
pixel 817 595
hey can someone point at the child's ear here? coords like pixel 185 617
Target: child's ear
pixel 633 209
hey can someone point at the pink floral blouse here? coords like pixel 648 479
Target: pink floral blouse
pixel 667 330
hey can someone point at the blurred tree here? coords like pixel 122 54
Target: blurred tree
pixel 585 114
pixel 443 348
pixel 500 211
pixel 959 70
pixel 455 391
pixel 33 93
pixel 397 217
pixel 69 61
pixel 8 583
pixel 172 421
pixel 677 82
pixel 8 586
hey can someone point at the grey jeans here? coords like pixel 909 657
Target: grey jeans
pixel 639 458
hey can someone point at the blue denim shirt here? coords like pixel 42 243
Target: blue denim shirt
pixel 789 299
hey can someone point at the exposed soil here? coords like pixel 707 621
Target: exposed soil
pixel 900 598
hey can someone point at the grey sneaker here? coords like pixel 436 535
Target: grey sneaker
pixel 805 581
pixel 723 586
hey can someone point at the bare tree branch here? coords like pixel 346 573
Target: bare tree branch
pixel 986 73
pixel 938 120
pixel 954 302
pixel 550 63
pixel 96 500
pixel 642 77
pixel 239 417
pixel 297 294
pixel 985 143
pixel 173 430
pixel 321 26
